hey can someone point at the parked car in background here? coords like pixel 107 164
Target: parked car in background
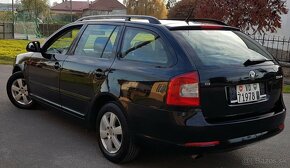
pixel 200 85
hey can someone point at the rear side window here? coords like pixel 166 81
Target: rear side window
pixel 143 46
pixel 219 48
pixel 97 41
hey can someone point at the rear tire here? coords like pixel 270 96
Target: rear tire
pixel 114 138
pixel 17 91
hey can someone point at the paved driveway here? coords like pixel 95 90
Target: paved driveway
pixel 45 138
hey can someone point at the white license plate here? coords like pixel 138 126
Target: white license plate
pixel 248 93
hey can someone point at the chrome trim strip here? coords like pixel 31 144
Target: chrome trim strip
pixel 73 111
pixel 279 77
pixel 58 105
pixel 50 102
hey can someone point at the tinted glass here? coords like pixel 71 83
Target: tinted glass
pixel 221 48
pixel 144 46
pixel 108 52
pixel 97 39
pixel 63 42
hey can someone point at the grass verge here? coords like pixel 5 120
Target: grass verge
pixel 10 48
pixel 286 89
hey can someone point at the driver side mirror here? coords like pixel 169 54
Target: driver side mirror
pixel 33 46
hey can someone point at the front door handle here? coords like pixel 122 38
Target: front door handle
pixel 57 65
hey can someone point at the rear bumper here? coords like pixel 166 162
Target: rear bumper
pixel 182 130
pixel 231 144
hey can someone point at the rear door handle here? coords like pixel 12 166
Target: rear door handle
pixel 57 65
pixel 99 73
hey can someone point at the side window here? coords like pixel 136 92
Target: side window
pixel 63 42
pixel 144 46
pixel 97 41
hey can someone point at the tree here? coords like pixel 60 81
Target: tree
pixel 170 4
pixel 155 8
pixel 182 8
pixel 6 16
pixel 36 10
pixel 258 16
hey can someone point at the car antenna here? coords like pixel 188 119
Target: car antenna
pixel 189 15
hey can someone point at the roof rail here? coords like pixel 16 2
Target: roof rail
pixel 151 19
pixel 206 20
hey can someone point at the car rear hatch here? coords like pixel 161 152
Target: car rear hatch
pixel 238 77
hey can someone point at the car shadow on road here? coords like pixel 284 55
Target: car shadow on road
pixel 62 134
pixel 160 157
pixel 151 155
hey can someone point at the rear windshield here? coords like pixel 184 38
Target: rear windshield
pixel 219 48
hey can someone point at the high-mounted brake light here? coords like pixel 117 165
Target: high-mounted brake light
pixel 211 27
pixel 183 90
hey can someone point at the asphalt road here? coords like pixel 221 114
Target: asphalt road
pixel 46 138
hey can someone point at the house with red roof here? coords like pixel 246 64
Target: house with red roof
pixel 85 8
pixel 105 7
pixel 68 7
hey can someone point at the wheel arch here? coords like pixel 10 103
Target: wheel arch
pixel 98 102
pixel 17 68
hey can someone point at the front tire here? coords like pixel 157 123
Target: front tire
pixel 115 141
pixel 17 91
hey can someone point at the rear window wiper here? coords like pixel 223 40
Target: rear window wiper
pixel 256 61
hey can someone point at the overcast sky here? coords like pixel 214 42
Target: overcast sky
pixel 51 1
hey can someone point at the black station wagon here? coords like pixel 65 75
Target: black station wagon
pixel 200 85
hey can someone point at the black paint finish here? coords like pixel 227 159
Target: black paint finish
pixel 76 84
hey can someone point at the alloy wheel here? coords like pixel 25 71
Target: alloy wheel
pixel 20 93
pixel 111 133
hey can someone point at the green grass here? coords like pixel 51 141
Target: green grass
pixel 286 89
pixel 9 49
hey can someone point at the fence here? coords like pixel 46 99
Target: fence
pixel 278 46
pixel 47 29
pixel 6 31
